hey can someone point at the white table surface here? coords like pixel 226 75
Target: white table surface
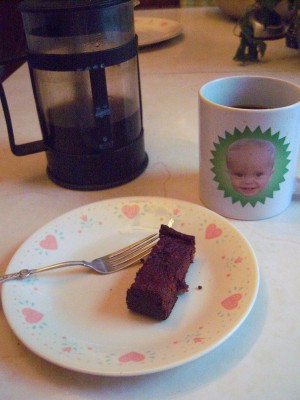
pixel 262 359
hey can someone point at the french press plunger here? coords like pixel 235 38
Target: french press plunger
pixel 83 63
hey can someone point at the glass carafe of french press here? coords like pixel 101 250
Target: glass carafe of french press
pixel 83 62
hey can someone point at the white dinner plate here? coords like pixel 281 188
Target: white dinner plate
pixel 155 30
pixel 79 320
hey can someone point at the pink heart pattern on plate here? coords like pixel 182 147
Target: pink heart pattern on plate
pixel 49 243
pixel 32 316
pixel 212 231
pixel 132 356
pixel 131 211
pixel 232 301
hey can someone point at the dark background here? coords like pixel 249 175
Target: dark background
pixel 12 38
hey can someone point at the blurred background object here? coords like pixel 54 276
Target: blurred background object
pixel 234 8
pixel 267 20
pixel 12 37
pixel 237 8
pixel 173 3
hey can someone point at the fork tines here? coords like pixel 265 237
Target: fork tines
pixel 133 253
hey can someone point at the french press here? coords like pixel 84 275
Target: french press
pixel 83 62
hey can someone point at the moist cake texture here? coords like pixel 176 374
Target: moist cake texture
pixel 162 276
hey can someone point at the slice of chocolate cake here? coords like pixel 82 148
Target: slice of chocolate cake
pixel 162 277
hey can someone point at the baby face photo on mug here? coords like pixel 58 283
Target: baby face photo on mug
pixel 250 165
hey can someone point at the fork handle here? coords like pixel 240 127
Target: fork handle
pixel 26 273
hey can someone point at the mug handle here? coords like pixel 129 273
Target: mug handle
pixel 18 149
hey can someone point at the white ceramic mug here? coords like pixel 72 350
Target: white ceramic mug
pixel 249 142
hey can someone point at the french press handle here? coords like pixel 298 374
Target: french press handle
pixel 18 149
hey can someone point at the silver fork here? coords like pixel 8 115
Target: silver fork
pixel 108 264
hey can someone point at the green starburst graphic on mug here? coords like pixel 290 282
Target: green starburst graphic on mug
pixel 220 164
